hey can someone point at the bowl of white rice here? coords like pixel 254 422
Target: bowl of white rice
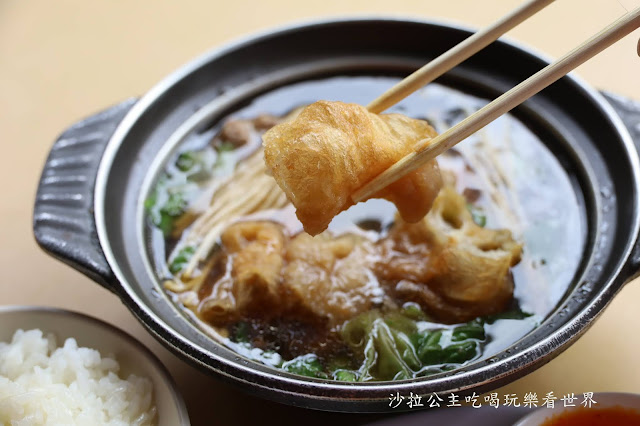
pixel 64 368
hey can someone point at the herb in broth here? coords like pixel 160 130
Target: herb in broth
pixel 179 186
pixel 168 202
pixel 186 161
pixel 513 313
pixel 182 258
pixel 306 365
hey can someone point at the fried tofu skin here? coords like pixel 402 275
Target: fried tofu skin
pixel 332 276
pixel 247 274
pixel 331 149
pixel 454 268
pixel 317 280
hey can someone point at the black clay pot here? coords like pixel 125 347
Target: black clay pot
pixel 89 213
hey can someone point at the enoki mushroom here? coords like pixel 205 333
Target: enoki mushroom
pixel 248 190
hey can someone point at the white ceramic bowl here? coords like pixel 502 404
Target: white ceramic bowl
pixel 133 357
pixel 603 400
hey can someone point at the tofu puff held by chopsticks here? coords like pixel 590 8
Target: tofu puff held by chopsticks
pixel 331 149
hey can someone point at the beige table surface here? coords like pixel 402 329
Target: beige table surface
pixel 63 60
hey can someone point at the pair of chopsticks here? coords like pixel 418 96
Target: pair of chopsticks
pixel 428 149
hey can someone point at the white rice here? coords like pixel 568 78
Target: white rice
pixel 44 385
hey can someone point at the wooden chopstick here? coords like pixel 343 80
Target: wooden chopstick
pixel 455 55
pixel 428 149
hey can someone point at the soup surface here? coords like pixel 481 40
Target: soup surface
pixel 221 246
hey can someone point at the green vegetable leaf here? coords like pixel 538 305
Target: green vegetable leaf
pixel 175 205
pixel 165 223
pixel 389 362
pixel 460 352
pixel 186 161
pixel 384 342
pixel 345 375
pixel 305 365
pixel 400 322
pixel 471 330
pixel 427 338
pixel 164 217
pixel 514 313
pixel 182 258
pixel 430 354
pixel 478 215
pixel 428 347
pixel 413 311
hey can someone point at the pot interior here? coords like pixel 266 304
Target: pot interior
pixel 573 170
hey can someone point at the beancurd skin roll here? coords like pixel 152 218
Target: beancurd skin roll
pixel 332 148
